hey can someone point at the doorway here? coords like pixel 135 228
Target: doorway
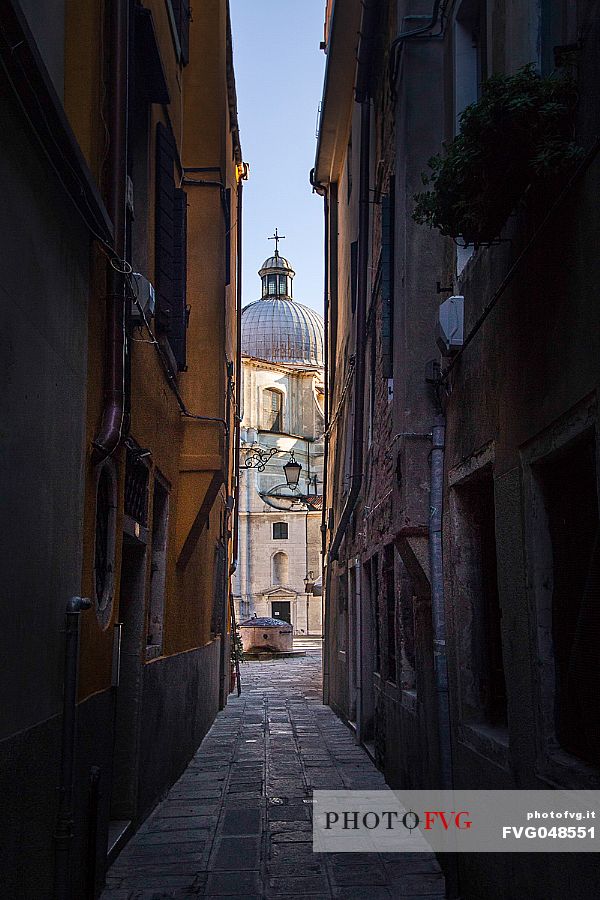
pixel 281 609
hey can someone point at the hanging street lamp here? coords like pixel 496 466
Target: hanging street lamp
pixel 292 471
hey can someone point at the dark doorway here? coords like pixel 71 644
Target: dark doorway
pixel 127 679
pixel 280 609
pixel 571 499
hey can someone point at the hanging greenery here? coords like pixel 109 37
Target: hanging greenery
pixel 519 133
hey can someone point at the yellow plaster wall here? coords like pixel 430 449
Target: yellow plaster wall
pixel 187 453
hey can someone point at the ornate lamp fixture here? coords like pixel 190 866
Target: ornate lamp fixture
pixel 257 458
pixel 292 471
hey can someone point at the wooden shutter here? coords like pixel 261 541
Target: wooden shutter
pixel 179 320
pixel 182 15
pixel 170 251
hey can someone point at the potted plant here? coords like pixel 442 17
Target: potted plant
pixel 519 133
pixel 236 656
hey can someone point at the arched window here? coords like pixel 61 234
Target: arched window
pixel 272 410
pixel 280 568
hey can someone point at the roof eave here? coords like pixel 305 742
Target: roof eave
pixel 338 90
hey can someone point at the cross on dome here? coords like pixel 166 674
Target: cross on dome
pixel 277 237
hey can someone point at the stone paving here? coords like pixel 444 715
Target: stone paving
pixel 237 823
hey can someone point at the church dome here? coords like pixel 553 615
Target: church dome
pixel 276 328
pixel 275 263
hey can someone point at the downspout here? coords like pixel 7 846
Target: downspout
pixel 111 429
pixel 238 382
pixel 238 420
pixel 322 191
pixel 361 308
pixel 438 612
pixel 63 833
pixel 421 31
pixel 324 568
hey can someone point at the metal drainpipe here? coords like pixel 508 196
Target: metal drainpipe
pixel 109 436
pixel 324 568
pixel 238 385
pixel 438 612
pixel 63 833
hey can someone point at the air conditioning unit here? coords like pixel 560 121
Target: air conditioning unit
pixel 449 334
pixel 144 302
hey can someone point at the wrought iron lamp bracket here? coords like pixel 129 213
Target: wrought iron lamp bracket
pixel 257 457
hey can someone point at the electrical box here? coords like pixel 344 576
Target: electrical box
pixel 450 325
pixel 145 300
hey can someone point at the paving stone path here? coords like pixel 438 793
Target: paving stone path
pixel 237 823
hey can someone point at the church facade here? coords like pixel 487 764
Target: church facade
pixel 279 556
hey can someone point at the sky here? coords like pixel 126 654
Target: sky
pixel 279 80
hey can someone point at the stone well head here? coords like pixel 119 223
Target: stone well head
pixel 266 634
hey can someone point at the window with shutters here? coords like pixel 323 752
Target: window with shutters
pixel 280 531
pixel 171 248
pixel 272 410
pixel 179 17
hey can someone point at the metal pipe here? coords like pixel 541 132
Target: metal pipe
pixel 324 594
pixel 92 854
pixel 109 436
pixel 361 307
pixel 438 612
pixel 238 380
pixel 405 35
pixel 63 833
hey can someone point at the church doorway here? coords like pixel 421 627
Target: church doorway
pixel 281 609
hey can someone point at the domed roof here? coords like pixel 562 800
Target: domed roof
pixel 276 263
pixel 276 328
pixel 279 330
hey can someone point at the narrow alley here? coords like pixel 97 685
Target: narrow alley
pixel 237 823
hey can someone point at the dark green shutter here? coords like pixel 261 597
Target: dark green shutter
pixel 170 248
pixel 387 282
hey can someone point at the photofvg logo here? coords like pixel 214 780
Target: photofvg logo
pixel 455 821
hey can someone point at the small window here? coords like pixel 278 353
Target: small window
pixel 282 284
pixel 272 410
pixel 280 531
pixel 558 29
